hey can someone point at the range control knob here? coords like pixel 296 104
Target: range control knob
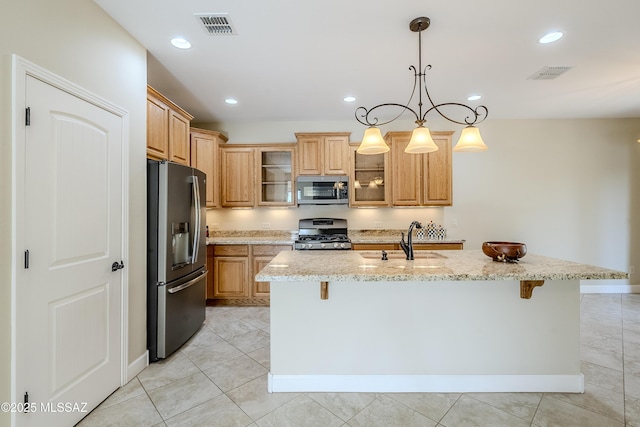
pixel 335 245
pixel 309 245
pixel 342 245
pixel 322 245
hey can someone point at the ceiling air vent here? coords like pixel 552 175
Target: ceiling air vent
pixel 216 24
pixel 549 72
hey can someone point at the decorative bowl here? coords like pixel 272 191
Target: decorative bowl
pixel 504 251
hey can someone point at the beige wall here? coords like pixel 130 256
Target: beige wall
pixel 78 41
pixel 567 188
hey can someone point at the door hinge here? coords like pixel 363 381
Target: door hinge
pixel 27 118
pixel 26 258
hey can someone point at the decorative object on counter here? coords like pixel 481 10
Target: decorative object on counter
pixel 504 251
pixel 441 233
pixel 421 140
pixel 431 231
pixel 420 234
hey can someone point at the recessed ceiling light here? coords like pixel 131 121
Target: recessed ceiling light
pixel 551 37
pixel 231 101
pixel 349 98
pixel 180 43
pixel 473 97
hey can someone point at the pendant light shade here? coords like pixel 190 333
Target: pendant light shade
pixel 470 140
pixel 372 142
pixel 421 142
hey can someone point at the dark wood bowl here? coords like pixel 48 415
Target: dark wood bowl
pixel 504 251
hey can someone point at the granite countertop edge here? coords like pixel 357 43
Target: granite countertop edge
pixel 463 265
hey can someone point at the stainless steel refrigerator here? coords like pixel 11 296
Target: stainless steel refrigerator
pixel 176 255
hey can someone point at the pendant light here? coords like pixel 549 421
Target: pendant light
pixel 421 140
pixel 470 140
pixel 372 142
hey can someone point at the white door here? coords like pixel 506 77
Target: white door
pixel 68 300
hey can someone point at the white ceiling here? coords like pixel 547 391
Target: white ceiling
pixel 296 60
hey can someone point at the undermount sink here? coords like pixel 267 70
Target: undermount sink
pixel 401 255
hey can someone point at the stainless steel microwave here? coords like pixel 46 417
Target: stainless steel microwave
pixel 323 190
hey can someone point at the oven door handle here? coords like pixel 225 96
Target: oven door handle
pixel 188 284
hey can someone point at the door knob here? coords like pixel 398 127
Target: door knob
pixel 115 266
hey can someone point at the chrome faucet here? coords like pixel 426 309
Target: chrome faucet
pixel 408 247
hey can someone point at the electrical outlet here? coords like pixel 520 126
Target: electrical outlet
pixel 632 269
pixel 377 224
pixel 265 225
pixel 454 222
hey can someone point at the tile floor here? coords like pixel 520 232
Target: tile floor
pixel 219 378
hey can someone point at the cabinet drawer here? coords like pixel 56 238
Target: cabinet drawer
pixel 231 250
pixel 262 250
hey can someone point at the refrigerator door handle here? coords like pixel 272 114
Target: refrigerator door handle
pixel 188 284
pixel 196 232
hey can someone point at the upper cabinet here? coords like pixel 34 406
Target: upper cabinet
pixel 323 153
pixel 370 185
pixel 420 179
pixel 205 156
pixel 257 175
pixel 167 129
pixel 237 176
pixel 275 175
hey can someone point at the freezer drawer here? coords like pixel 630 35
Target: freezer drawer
pixel 181 311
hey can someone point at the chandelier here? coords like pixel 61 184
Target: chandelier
pixel 421 141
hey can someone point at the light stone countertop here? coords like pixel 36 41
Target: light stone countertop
pixel 367 266
pixel 251 237
pixel 284 237
pixel 250 240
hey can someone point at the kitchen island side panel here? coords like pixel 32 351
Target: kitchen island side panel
pixel 425 328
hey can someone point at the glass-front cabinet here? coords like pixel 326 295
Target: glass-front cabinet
pixel 369 179
pixel 275 166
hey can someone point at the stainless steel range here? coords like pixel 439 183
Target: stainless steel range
pixel 322 233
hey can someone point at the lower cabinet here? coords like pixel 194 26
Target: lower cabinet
pixel 234 267
pixel 416 246
pixel 230 271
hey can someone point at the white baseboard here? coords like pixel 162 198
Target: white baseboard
pixel 609 289
pixel 137 366
pixel 426 383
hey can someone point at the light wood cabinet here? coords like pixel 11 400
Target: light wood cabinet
pixel 205 156
pixel 417 246
pixel 369 178
pixel 237 176
pixel 274 174
pixel 233 270
pixel 323 153
pixel 167 129
pixel 373 246
pixel 421 179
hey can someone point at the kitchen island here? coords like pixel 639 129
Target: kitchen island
pixel 449 321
